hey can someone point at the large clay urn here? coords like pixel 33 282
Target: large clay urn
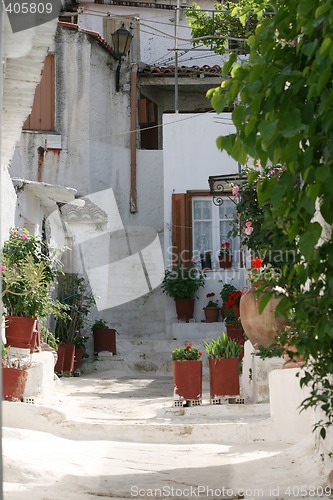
pixel 261 329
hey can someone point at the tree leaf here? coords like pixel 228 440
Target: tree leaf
pixel 309 239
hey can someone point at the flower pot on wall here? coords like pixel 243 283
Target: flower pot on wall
pixel 66 357
pixel 105 340
pixel 13 384
pixel 225 261
pixel 187 379
pixel 223 377
pixel 184 308
pixel 211 314
pixel 261 329
pixel 19 331
pixel 206 262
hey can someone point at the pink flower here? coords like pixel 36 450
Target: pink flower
pixel 24 236
pixel 248 230
pixel 193 261
pixel 235 190
pixel 14 233
pixel 3 268
pixel 15 265
pixel 248 223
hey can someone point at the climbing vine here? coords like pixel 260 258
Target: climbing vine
pixel 282 101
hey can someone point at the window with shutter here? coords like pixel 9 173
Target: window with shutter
pixel 42 113
pixel 199 225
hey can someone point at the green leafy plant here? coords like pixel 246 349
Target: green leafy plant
pixel 223 347
pixel 183 282
pixel 30 270
pixel 75 292
pixel 283 116
pixel 99 324
pixel 230 318
pixel 187 352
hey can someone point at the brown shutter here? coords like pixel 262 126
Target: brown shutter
pixel 181 227
pixel 42 113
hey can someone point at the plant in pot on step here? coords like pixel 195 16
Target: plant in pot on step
pixel 224 294
pixel 74 291
pixel 30 270
pixel 211 309
pixel 181 283
pixel 223 357
pixel 187 373
pixel 14 375
pixel 234 328
pixel 104 337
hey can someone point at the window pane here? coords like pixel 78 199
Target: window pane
pixel 202 236
pixel 202 210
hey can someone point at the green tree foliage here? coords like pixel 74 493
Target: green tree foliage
pixel 282 101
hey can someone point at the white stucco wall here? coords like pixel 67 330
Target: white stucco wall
pixel 8 204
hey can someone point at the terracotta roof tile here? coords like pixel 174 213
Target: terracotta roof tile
pixel 93 34
pixel 182 70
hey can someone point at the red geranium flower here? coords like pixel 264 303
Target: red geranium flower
pixel 257 263
pixel 189 346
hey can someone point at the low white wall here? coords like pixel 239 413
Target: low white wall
pixel 41 378
pixel 286 395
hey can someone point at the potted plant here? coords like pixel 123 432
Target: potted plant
pixel 224 293
pixel 76 294
pixel 14 376
pixel 211 309
pixel 104 337
pixel 30 271
pixel 233 302
pixel 258 305
pixel 225 255
pixel 206 259
pixel 234 328
pixel 223 356
pixel 182 283
pixel 187 373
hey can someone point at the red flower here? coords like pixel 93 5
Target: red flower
pixel 257 263
pixel 200 353
pixel 211 294
pixel 226 244
pixel 189 347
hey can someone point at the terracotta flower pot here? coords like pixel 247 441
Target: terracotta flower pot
pixel 225 261
pixel 19 331
pixel 13 384
pixel 187 379
pixel 105 340
pixel 223 377
pixel 261 329
pixel 66 357
pixel 211 314
pixel 184 308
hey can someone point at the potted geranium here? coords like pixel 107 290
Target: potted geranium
pixel 182 283
pixel 187 373
pixel 224 294
pixel 30 271
pixel 211 309
pixel 225 255
pixel 206 259
pixel 223 357
pixel 14 376
pixel 234 301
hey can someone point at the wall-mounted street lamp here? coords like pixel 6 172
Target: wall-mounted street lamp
pixel 219 186
pixel 121 41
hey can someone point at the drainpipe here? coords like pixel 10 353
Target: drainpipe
pixel 133 193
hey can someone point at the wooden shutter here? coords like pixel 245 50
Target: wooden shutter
pixel 182 226
pixel 42 113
